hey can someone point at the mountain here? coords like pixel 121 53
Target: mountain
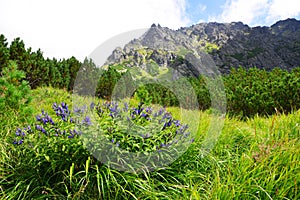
pixel 228 44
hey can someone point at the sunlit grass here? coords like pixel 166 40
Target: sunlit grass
pixel 254 159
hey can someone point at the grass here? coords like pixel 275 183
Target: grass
pixel 254 159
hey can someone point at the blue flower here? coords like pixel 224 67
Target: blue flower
pixel 38 127
pixel 43 130
pixel 117 144
pixel 177 123
pixel 125 106
pixel 146 136
pixel 92 106
pixel 18 132
pixel 86 121
pixel 144 115
pixel 38 117
pixel 71 136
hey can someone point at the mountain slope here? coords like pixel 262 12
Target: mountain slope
pixel 229 45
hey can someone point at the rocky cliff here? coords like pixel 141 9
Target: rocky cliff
pixel 229 45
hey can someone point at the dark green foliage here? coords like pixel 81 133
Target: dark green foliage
pixel 4 52
pixel 107 82
pixel 39 71
pixel 257 91
pixel 248 92
pixel 14 90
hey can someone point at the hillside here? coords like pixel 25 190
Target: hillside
pixel 229 45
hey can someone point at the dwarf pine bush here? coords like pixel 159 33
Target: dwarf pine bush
pixel 14 90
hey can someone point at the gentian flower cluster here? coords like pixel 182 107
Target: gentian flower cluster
pixel 44 118
pixel 46 125
pixel 164 129
pixel 20 135
pixel 62 111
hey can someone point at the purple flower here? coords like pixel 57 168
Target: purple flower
pixel 125 106
pixel 146 136
pixel 117 144
pixel 86 121
pixel 177 123
pixel 144 115
pixel 38 127
pixel 148 110
pixel 43 130
pixel 38 117
pixel 92 106
pixel 163 145
pixel 18 132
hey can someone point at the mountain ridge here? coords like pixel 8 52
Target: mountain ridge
pixel 228 44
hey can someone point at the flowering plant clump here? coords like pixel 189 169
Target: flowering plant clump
pixel 104 128
pixel 139 128
pixel 63 125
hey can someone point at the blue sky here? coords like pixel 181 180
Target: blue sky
pixel 65 28
pixel 201 10
pixel 251 12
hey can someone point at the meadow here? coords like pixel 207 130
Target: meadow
pixel 47 151
pixel 257 158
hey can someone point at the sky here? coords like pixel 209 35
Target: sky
pixel 65 28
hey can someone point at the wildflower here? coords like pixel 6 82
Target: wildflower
pixel 38 127
pixel 144 115
pixel 148 110
pixel 177 123
pixel 125 106
pixel 38 118
pixel 43 130
pixel 18 132
pixel 92 106
pixel 77 110
pixel 146 136
pixel 23 134
pixel 87 121
pixel 163 145
pixel 117 144
pixel 160 112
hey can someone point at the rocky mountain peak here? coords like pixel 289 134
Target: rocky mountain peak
pixel 229 44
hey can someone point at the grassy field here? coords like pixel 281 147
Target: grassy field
pixel 258 158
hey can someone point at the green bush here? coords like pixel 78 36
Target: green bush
pixel 14 90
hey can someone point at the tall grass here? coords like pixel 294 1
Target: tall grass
pixel 254 159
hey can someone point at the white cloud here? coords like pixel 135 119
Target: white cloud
pixel 202 7
pixel 257 12
pixel 241 10
pixel 282 9
pixel 74 27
